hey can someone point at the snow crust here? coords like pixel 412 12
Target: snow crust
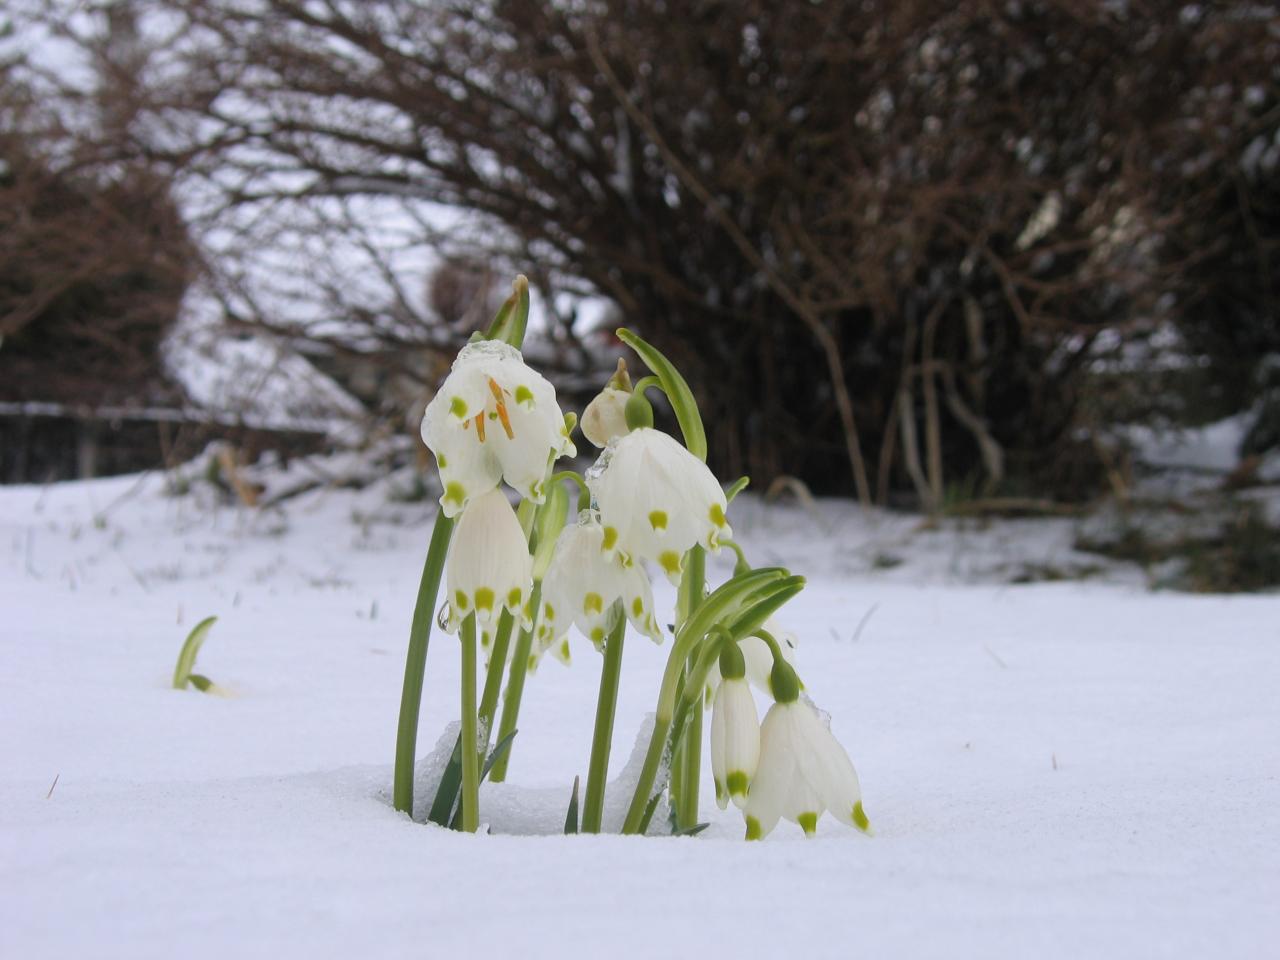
pixel 1055 770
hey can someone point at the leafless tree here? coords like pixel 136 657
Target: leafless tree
pixel 882 238
pixel 94 257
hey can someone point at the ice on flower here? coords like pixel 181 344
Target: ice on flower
pixel 489 567
pixel 657 500
pixel 582 585
pixel 803 772
pixel 494 418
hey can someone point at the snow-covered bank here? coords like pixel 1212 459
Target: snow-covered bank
pixel 1050 770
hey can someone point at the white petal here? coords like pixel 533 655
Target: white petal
pixel 583 583
pixel 536 434
pixel 773 775
pixel 742 738
pixel 493 417
pixel 463 393
pixel 489 566
pixel 467 468
pixel 718 770
pixel 659 499
pixel 826 764
pixel 803 804
pixel 637 600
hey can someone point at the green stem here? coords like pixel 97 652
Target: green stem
pixel 416 663
pixel 691 780
pixel 470 757
pixel 691 586
pixel 602 739
pixel 675 772
pixel 584 492
pixel 515 686
pixel 644 383
pixel 493 678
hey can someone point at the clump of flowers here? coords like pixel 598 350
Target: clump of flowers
pixel 521 580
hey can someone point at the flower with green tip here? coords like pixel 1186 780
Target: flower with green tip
pixel 489 567
pixel 587 589
pixel 494 418
pixel 656 500
pixel 735 741
pixel 803 772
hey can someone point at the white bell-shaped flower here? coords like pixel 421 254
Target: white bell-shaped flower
pixel 656 500
pixel 582 585
pixel 489 566
pixel 735 741
pixel 803 771
pixel 494 418
pixel 758 657
pixel 606 416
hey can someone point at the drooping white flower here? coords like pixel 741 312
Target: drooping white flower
pixel 489 567
pixel 605 416
pixel 735 741
pixel 494 418
pixel 803 771
pixel 758 657
pixel 656 500
pixel 582 584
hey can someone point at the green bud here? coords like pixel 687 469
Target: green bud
pixel 639 412
pixel 783 682
pixel 513 316
pixel 621 380
pixel 733 666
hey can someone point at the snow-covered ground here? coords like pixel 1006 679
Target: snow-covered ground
pixel 1054 770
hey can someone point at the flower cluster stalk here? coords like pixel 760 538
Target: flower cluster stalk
pixel 509 326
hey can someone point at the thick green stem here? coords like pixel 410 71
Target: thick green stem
pixel 602 739
pixel 416 663
pixel 470 756
pixel 691 779
pixel 675 770
pixel 515 686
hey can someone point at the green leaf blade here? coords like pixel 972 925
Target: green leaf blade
pixel 677 390
pixel 187 655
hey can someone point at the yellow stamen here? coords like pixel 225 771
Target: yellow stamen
pixel 502 408
pixel 480 426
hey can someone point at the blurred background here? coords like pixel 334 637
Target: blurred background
pixel 966 258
